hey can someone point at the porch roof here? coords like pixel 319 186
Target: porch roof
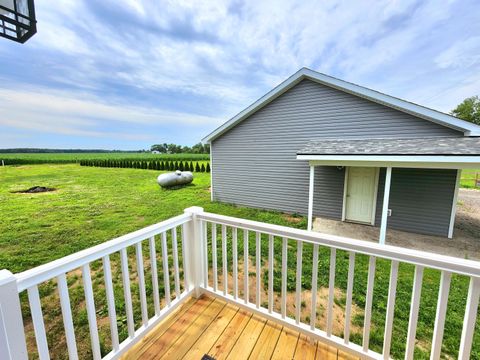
pixel 433 152
pixel 454 146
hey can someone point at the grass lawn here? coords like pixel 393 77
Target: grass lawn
pixel 92 205
pixel 468 178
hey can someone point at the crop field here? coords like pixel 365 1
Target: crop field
pixel 91 205
pixel 66 158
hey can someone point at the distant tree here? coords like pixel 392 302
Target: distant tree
pixel 178 149
pixel 162 148
pixel 197 167
pixel 208 167
pixel 468 110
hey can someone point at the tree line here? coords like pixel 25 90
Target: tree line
pixel 179 149
pixel 150 165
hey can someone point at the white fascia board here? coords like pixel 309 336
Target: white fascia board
pixel 415 161
pixel 438 117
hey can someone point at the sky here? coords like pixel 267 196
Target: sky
pixel 126 74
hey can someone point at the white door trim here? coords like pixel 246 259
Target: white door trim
pixel 345 185
pixel 375 193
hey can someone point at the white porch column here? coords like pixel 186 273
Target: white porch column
pixel 310 198
pixel 454 204
pixel 386 198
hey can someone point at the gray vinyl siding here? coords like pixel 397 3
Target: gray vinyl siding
pixel 420 199
pixel 254 163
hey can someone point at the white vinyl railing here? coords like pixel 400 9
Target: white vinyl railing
pixel 208 244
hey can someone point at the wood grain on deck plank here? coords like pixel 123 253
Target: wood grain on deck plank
pixel 185 341
pixel 205 342
pixel 267 341
pixel 232 332
pixel 212 326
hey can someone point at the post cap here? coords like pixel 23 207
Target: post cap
pixel 193 210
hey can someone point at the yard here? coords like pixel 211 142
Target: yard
pixel 91 205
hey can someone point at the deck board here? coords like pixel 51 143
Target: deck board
pixel 206 341
pixel 224 331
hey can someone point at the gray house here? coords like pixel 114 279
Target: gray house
pixel 320 146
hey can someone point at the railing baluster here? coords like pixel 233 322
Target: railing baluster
pixel 166 272
pixel 185 264
pixel 224 260
pixel 368 303
pixel 469 320
pixel 214 256
pixel 91 312
pixel 176 271
pixel 235 263
pixel 348 304
pixel 127 293
pixel 270 273
pixel 331 288
pixel 67 317
pixel 392 292
pixel 112 314
pixel 141 283
pixel 153 266
pixel 205 253
pixel 245 266
pixel 284 277
pixel 38 324
pixel 258 262
pixel 313 314
pixel 414 308
pixel 440 315
pixel 298 290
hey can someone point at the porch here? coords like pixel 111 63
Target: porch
pixel 409 163
pixel 464 244
pixel 313 292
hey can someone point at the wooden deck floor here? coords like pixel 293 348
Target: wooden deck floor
pixel 223 331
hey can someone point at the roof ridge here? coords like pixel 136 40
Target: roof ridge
pixel 443 119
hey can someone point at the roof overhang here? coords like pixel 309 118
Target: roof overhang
pixel 438 117
pixel 402 161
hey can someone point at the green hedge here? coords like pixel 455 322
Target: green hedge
pixel 150 165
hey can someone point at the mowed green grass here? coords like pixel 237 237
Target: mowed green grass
pixel 468 178
pixel 92 205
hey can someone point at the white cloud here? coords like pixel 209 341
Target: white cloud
pixel 79 114
pixel 462 54
pixel 200 62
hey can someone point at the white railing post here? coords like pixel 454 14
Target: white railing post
pixel 195 258
pixel 12 336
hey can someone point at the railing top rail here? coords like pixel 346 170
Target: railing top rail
pixel 63 265
pixel 416 257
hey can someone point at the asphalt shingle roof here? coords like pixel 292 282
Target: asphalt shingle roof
pixel 422 146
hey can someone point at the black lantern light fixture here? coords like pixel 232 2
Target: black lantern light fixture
pixel 17 20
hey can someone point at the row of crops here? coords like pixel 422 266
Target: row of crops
pixel 72 158
pixel 150 165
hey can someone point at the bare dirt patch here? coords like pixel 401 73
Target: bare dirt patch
pixel 35 190
pixel 305 299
